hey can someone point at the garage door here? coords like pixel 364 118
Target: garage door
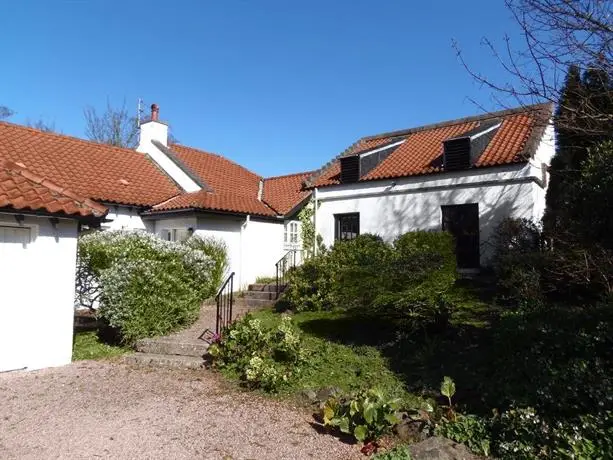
pixel 14 245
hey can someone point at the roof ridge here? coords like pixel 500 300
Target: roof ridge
pixel 304 173
pixel 67 136
pixel 309 181
pixel 457 121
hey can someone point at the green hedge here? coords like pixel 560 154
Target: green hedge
pixel 409 277
pixel 145 286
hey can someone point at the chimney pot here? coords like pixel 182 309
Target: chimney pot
pixel 155 112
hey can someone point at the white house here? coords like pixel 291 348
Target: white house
pixel 173 191
pixel 463 175
pixel 39 223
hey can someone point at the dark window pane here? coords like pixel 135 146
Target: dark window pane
pixel 347 226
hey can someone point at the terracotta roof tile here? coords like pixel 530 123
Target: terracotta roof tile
pixel 284 193
pixel 225 202
pixel 23 190
pixel 97 171
pixel 422 151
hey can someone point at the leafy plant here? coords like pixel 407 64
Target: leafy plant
pixel 397 453
pixel 144 286
pixel 266 358
pixel 366 415
pixel 217 250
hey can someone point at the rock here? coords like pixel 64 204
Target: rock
pixel 437 448
pixel 325 393
pixel 410 430
pixel 310 396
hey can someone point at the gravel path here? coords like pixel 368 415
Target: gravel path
pixel 109 410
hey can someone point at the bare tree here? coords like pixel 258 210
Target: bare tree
pixel 5 112
pixel 115 126
pixel 555 35
pixel 42 125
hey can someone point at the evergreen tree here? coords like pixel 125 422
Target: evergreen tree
pixel 581 121
pixel 567 148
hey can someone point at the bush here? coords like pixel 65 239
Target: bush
pixel 145 286
pixel 370 276
pixel 217 250
pixel 366 415
pixel 266 358
pixel 359 269
pixel 518 262
pixel 310 285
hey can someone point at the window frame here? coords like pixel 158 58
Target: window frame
pixel 291 234
pixel 338 220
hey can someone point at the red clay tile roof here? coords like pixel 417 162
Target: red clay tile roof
pixel 23 190
pixel 422 152
pixel 97 171
pixel 284 193
pixel 224 202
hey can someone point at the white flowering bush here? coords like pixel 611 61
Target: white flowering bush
pixel 262 357
pixel 144 286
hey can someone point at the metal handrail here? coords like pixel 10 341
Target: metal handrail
pixel 224 303
pixel 281 269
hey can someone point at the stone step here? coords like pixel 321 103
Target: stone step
pixel 170 347
pixel 262 295
pixel 269 287
pixel 250 302
pixel 168 361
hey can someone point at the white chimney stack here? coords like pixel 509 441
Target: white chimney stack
pixel 154 142
pixel 153 130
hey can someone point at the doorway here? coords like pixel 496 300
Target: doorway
pixel 462 221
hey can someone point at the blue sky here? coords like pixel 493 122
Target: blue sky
pixel 278 86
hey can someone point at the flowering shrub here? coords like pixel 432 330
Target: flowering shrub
pixel 217 250
pixel 144 286
pixel 266 358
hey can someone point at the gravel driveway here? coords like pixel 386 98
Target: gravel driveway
pixel 109 410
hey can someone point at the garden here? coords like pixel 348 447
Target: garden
pixel 141 286
pixel 388 346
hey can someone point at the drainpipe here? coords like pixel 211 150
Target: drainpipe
pixel 315 203
pixel 241 258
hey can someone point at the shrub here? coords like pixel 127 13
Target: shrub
pixel 310 285
pixel 359 269
pixel 370 276
pixel 518 262
pixel 145 286
pixel 217 250
pixel 366 415
pixel 266 358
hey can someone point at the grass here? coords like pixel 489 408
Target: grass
pixel 87 346
pixel 334 364
pixel 265 279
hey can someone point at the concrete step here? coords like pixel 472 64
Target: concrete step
pixel 269 287
pixel 168 361
pixel 161 346
pixel 250 302
pixel 262 295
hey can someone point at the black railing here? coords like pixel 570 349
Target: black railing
pixel 282 267
pixel 224 300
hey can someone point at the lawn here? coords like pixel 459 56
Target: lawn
pixel 338 363
pixel 86 345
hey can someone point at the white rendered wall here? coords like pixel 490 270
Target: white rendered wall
pixel 262 248
pixel 389 210
pixel 254 246
pixel 125 218
pixel 37 303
